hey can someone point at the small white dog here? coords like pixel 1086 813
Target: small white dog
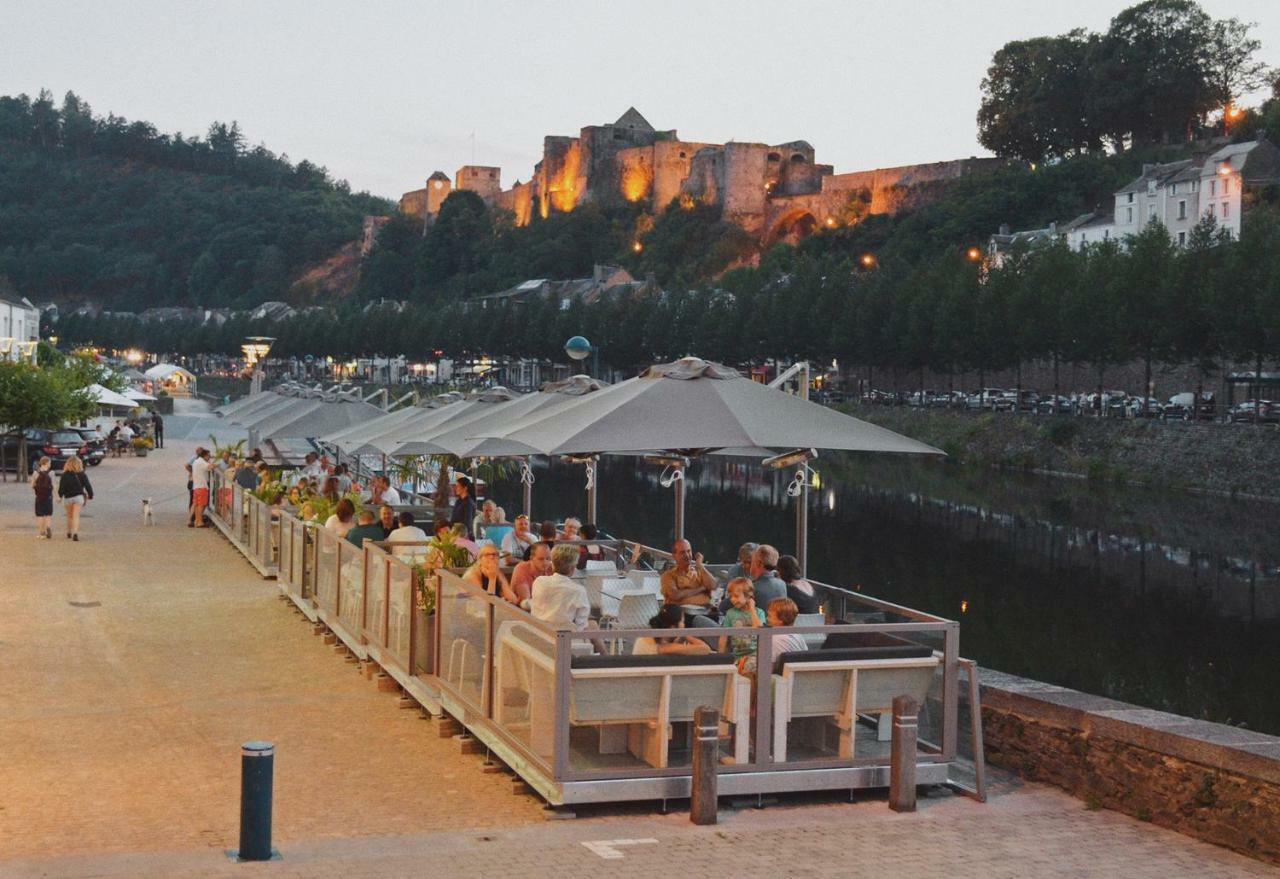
pixel 148 515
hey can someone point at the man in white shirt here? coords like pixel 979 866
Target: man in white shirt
pixel 199 488
pixel 389 494
pixel 408 533
pixel 557 599
pixel 518 541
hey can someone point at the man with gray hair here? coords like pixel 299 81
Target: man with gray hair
pixel 557 599
pixel 743 566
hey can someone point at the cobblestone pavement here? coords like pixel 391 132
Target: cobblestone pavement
pixel 134 663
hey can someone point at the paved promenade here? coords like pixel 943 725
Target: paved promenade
pixel 135 662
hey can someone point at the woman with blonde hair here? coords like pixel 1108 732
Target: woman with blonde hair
pixel 42 485
pixel 75 491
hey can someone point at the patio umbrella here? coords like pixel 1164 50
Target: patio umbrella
pixel 692 407
pixel 459 437
pixel 107 397
pixel 415 438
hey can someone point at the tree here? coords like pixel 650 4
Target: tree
pixel 1035 99
pixel 1249 303
pixel 1147 296
pixel 48 395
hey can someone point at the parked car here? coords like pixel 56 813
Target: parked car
pixel 11 444
pixel 1050 405
pixel 56 445
pixel 1135 409
pixel 995 399
pixel 95 445
pixel 1261 411
pixel 1180 406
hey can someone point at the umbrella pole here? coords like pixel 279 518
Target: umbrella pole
pixel 802 522
pixel 591 491
pixel 526 485
pixel 679 487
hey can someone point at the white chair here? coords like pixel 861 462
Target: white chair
pixel 635 611
pixel 812 619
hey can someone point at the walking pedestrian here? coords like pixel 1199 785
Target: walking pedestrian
pixel 42 485
pixel 75 491
pixel 157 424
pixel 191 503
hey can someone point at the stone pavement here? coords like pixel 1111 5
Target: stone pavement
pixel 135 662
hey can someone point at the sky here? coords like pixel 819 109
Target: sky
pixel 383 93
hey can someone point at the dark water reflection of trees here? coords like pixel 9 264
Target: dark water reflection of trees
pixel 1164 599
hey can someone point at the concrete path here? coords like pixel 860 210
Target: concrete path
pixel 135 662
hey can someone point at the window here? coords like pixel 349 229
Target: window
pixel 1106 234
pixel 1173 189
pixel 1182 239
pixel 1151 212
pixel 1226 209
pixel 1131 198
pixel 1084 237
pixel 1226 185
pixel 1129 218
pixel 1213 187
pixel 1182 210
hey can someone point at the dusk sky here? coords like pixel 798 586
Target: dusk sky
pixel 385 93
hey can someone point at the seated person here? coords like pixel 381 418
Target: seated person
pixel 386 520
pixel 764 579
pixel 408 532
pixel 515 546
pixel 670 618
pixel 799 590
pixel 591 553
pixel 367 528
pixel 490 514
pixel 547 532
pixel 687 582
pixel 742 568
pixel 742 612
pixel 781 613
pixel 486 574
pixel 538 565
pixel 572 529
pixel 343 518
pixel 558 600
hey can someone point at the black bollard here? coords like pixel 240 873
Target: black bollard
pixel 703 801
pixel 257 762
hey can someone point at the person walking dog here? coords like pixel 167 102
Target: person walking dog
pixel 42 485
pixel 75 491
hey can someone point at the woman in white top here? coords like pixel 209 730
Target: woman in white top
pixel 343 518
pixel 670 616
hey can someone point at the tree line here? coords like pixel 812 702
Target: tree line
pixel 1158 74
pixel 1215 300
pixel 105 209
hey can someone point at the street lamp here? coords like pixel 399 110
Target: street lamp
pixel 578 348
pixel 974 254
pixel 255 350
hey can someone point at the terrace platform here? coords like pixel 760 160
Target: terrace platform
pixel 137 660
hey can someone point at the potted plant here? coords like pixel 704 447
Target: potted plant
pixel 142 445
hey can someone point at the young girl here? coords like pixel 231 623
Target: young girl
pixel 42 485
pixel 75 491
pixel 742 597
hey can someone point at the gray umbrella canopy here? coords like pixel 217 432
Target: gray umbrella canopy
pixel 314 418
pixel 460 436
pixel 414 438
pixel 390 439
pixel 693 406
pixel 258 405
pixel 355 439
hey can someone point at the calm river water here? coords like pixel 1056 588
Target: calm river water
pixel 1163 599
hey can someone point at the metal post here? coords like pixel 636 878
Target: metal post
pixel 526 486
pixel 902 755
pixel 802 522
pixel 703 802
pixel 591 491
pixel 257 762
pixel 679 488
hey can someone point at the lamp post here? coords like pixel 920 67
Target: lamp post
pixel 578 348
pixel 255 350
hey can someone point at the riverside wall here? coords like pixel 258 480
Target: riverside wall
pixel 1211 781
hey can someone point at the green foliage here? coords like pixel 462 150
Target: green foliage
pixel 100 207
pixel 269 492
pixel 236 449
pixel 49 395
pixel 1161 69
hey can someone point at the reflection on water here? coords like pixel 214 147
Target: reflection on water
pixel 1164 599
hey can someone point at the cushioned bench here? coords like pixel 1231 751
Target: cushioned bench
pixel 854 673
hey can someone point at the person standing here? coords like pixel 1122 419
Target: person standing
pixel 157 424
pixel 191 504
pixel 75 491
pixel 464 508
pixel 42 485
pixel 200 488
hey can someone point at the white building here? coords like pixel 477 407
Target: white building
pixel 19 329
pixel 1179 195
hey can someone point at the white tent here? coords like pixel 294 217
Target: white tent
pixel 140 396
pixel 107 397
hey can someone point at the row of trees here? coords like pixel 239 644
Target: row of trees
pixel 1158 73
pixel 1152 302
pixel 101 209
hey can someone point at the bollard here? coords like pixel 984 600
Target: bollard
pixel 902 755
pixel 257 762
pixel 703 800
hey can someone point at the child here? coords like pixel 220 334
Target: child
pixel 743 612
pixel 781 613
pixel 42 485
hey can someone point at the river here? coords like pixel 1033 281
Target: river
pixel 1160 598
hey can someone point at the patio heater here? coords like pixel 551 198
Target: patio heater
pixel 255 350
pixel 799 489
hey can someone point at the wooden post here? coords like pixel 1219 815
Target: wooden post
pixel 902 755
pixel 703 801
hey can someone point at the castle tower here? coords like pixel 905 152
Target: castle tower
pixel 438 189
pixel 484 180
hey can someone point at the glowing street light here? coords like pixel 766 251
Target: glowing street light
pixel 637 246
pixel 868 260
pixel 973 254
pixel 255 350
pixel 578 348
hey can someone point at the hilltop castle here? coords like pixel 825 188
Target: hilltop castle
pixel 776 193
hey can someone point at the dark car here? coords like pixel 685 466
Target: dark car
pixel 95 445
pixel 59 445
pixel 11 445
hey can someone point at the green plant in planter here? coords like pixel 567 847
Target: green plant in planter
pixel 236 449
pixel 426 581
pixel 269 492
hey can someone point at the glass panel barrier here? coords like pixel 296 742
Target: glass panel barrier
pixel 400 603
pixel 251 524
pixel 375 627
pixel 284 554
pixel 326 553
pixel 523 673
pixel 351 585
pixel 463 619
